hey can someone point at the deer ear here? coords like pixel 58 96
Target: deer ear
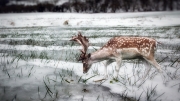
pixel 89 55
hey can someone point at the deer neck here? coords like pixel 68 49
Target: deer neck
pixel 100 55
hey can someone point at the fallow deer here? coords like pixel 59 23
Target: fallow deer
pixel 118 49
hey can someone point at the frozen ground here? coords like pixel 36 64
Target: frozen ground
pixel 38 62
pixel 151 19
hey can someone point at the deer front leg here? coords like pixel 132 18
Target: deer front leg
pixel 148 68
pixel 118 65
pixel 106 63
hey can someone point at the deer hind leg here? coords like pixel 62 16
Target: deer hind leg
pixel 147 64
pixel 153 62
pixel 107 62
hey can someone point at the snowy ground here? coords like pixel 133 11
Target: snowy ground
pixel 151 19
pixel 38 62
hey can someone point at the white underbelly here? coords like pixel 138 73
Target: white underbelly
pixel 129 53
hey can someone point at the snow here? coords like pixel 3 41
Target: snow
pixel 24 78
pixel 155 19
pixel 25 47
pixel 61 2
pixel 35 2
pixel 25 3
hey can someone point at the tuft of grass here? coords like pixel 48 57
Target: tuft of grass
pixel 95 71
pixel 85 80
pixel 30 71
pixel 30 42
pixel 62 77
pixel 43 55
pixel 174 62
pixel 150 93
pixel 139 97
pixel 33 55
pixel 4 35
pixel 48 89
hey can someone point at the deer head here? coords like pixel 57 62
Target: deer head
pixel 84 57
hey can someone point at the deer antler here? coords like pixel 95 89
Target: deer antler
pixel 82 40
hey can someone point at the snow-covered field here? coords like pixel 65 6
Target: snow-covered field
pixel 38 62
pixel 151 19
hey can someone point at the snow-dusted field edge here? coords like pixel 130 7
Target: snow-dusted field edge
pixel 142 19
pixel 35 49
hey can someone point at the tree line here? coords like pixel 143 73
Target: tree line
pixel 95 6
